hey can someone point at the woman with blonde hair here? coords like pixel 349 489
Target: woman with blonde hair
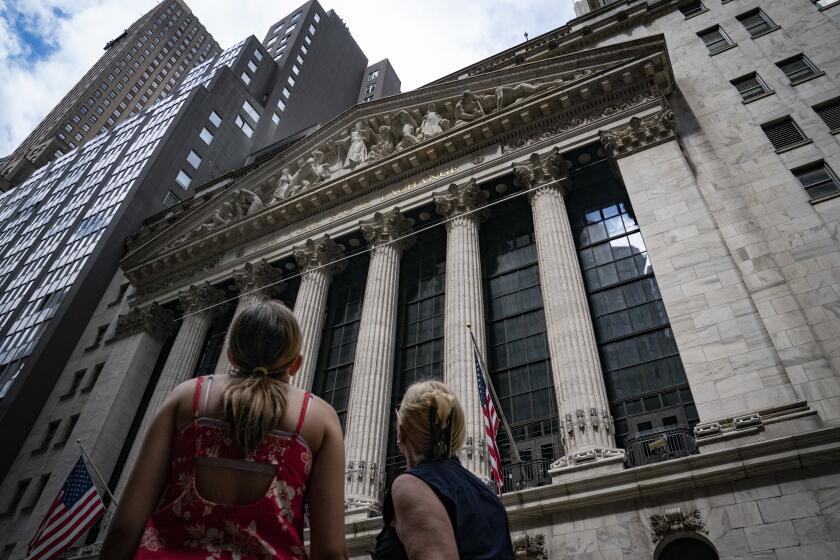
pixel 437 509
pixel 242 454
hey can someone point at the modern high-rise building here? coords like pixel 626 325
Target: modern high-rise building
pixel 139 67
pixel 636 214
pixel 380 80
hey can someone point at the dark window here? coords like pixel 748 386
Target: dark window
pixel 783 133
pixel 52 428
pixel 120 295
pixel 214 341
pixel 691 9
pixel 39 489
pixel 715 39
pixel 420 337
pixel 94 377
pixel 68 431
pixel 338 346
pixel 798 68
pixel 20 491
pixel 750 86
pixel 74 384
pixel 100 334
pixel 688 548
pixel 829 112
pixel 643 371
pixel 757 22
pixel 818 180
pixel 517 348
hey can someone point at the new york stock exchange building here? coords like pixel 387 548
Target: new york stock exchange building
pixel 650 272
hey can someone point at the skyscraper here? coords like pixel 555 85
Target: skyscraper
pixel 380 80
pixel 139 67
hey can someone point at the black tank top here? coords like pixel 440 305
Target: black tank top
pixel 477 515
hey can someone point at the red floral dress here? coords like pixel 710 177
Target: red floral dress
pixel 188 526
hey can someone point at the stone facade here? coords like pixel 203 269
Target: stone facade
pixel 746 268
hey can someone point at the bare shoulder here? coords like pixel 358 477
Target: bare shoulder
pixel 409 490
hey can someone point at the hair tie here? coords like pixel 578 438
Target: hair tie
pixel 260 369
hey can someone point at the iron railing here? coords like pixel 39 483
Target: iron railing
pixel 659 445
pixel 525 474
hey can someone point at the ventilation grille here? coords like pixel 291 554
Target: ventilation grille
pixel 831 114
pixel 783 134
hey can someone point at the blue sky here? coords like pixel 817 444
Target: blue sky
pixel 47 45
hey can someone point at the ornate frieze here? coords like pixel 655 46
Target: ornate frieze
pixel 587 456
pixel 259 278
pixel 675 520
pixel 322 253
pixel 463 199
pixel 548 132
pixel 180 277
pixel 153 319
pixel 390 226
pixel 530 547
pixel 639 134
pixel 201 297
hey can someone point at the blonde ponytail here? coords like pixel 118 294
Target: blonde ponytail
pixel 431 421
pixel 265 340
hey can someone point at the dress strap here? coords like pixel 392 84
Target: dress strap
pixel 203 410
pixel 303 408
pixel 197 395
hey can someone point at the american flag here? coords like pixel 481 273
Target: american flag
pixel 491 425
pixel 76 508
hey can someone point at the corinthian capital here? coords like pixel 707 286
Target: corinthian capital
pixel 200 297
pixel 259 277
pixel 639 134
pixel 460 199
pixel 535 171
pixel 152 319
pixel 388 227
pixel 321 253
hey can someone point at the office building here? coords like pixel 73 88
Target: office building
pixel 140 66
pixel 380 80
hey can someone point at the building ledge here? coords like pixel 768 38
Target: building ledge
pixel 808 79
pixel 765 32
pixel 799 144
pixel 825 198
pixel 760 96
pixel 724 49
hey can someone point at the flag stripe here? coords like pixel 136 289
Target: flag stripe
pixel 71 514
pixel 491 425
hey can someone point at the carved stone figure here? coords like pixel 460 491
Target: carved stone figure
pixel 356 145
pixel 283 184
pixel 245 203
pixel 385 144
pixel 404 127
pixel 432 124
pixel 311 172
pixel 467 109
pixel 508 95
pixel 223 215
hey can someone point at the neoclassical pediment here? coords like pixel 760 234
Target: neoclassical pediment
pixel 377 144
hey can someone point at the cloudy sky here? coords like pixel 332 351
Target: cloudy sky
pixel 47 45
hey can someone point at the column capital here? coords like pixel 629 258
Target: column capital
pixel 639 133
pixel 259 279
pixel 318 253
pixel 201 296
pixel 153 319
pixel 387 227
pixel 458 200
pixel 542 176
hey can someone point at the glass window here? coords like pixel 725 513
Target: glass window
pixel 252 66
pixel 246 78
pixel 798 68
pixel 300 60
pixel 829 112
pixel 251 112
pixel 370 88
pixel 281 104
pixel 291 81
pixel 194 159
pixel 242 124
pixel 818 180
pixel 206 135
pixel 308 40
pixel 215 119
pixel 757 22
pixel 183 179
pixel 295 17
pixel 295 70
pixel 750 86
pixel 715 39
pixel 312 30
pixel 317 17
pixel 275 118
pixel 783 133
pixel 286 93
pixel 258 55
pixel 692 8
pixel 303 49
pixel 373 75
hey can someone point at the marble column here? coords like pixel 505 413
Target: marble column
pixel 368 408
pixel 575 364
pixel 256 282
pixel 464 305
pixel 197 303
pixel 317 261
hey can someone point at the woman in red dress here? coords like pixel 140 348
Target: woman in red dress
pixel 238 456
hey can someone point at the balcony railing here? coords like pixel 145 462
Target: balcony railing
pixel 526 474
pixel 659 445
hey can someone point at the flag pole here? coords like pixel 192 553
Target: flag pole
pixel 489 383
pixel 96 472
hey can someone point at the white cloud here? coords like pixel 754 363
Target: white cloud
pixel 424 39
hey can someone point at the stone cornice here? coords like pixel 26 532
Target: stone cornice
pixel 639 134
pixel 817 447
